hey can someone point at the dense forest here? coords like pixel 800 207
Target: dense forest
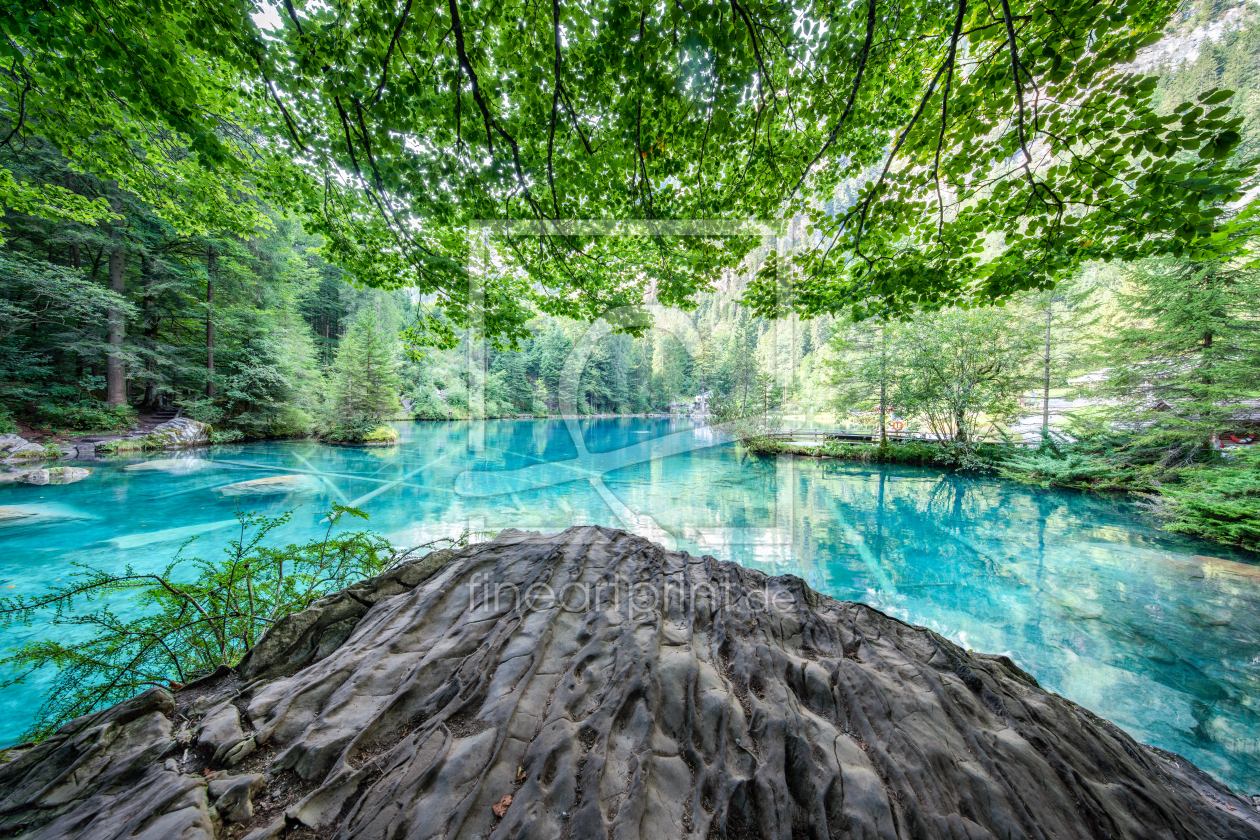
pixel 255 333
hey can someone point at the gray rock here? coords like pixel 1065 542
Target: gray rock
pixel 176 433
pixel 308 636
pixel 55 475
pixel 29 452
pixel 100 774
pixel 221 729
pixel 10 442
pixel 239 752
pixel 431 702
pixel 233 796
pixel 35 452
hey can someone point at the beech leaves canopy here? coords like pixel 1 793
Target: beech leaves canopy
pixel 944 151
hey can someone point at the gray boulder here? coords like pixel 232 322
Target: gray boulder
pixel 22 452
pixel 592 684
pixel 29 451
pixel 178 432
pixel 233 796
pixel 54 475
pixel 103 775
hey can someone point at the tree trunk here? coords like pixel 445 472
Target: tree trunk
pixel 115 375
pixel 150 332
pixel 76 259
pixel 210 322
pixel 883 385
pixel 1045 398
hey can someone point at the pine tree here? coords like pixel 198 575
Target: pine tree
pixel 1186 368
pixel 863 366
pixel 742 355
pixel 364 383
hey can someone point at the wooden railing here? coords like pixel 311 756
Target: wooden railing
pixel 841 435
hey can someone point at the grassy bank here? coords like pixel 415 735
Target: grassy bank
pixel 1217 498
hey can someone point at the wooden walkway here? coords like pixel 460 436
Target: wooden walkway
pixel 840 435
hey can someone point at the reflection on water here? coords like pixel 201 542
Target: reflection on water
pixel 1157 633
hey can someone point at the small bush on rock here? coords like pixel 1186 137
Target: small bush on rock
pixel 191 617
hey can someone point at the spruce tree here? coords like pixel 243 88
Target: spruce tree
pixel 1186 368
pixel 364 382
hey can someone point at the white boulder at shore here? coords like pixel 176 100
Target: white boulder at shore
pixel 178 432
pixel 270 485
pixel 15 448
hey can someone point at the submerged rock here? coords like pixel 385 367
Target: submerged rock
pixel 174 466
pixel 37 514
pixel 591 684
pixel 55 475
pixel 271 484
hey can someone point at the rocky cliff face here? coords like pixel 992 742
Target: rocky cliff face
pixel 591 684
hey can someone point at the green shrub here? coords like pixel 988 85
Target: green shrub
pixel 225 435
pixel 118 447
pixel 203 411
pixel 195 614
pixel 352 431
pixel 382 435
pixel 87 416
pixel 1072 469
pixel 1218 501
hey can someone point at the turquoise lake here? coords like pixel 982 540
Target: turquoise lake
pixel 1157 633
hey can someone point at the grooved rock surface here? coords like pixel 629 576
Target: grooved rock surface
pixel 591 684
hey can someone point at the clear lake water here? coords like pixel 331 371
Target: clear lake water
pixel 1159 633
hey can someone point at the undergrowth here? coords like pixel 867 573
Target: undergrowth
pixel 1216 497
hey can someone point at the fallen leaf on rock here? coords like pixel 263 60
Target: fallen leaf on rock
pixel 500 807
pixel 520 774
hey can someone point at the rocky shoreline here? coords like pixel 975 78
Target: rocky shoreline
pixel 651 694
pixel 176 433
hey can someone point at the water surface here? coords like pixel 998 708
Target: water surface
pixel 1158 633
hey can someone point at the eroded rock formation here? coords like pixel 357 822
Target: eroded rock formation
pixel 591 684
